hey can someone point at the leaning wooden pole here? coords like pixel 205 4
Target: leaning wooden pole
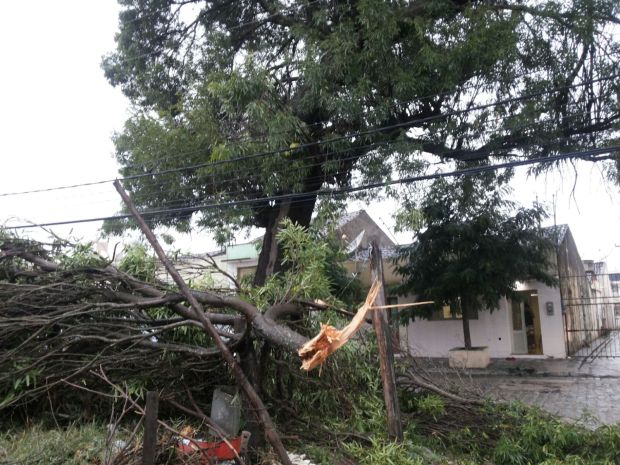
pixel 386 350
pixel 270 431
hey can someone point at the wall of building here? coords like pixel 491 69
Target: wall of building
pixel 435 338
pixel 586 319
pixel 492 329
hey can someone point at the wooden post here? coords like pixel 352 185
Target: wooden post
pixel 261 411
pixel 149 444
pixel 386 350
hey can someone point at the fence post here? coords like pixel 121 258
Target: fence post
pixel 149 445
pixel 386 350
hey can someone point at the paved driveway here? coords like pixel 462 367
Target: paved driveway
pixel 568 388
pixel 594 400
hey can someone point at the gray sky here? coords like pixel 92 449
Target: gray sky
pixel 59 115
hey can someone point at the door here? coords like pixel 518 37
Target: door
pixel 519 333
pixel 526 333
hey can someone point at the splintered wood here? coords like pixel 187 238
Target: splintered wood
pixel 314 352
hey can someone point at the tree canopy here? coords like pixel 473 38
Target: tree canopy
pixel 474 246
pixel 215 81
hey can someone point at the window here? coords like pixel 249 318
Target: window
pixel 446 313
pixel 245 271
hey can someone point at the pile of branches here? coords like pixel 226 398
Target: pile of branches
pixel 59 320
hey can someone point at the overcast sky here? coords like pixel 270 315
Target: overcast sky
pixel 59 114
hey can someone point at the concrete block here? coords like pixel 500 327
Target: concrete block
pixel 476 357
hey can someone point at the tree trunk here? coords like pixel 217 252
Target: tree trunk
pixel 300 212
pixel 249 365
pixel 466 333
pixel 268 259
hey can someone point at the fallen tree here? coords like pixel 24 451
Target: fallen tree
pixel 60 318
pixel 64 311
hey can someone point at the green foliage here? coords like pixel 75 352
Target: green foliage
pixel 383 452
pixel 346 287
pixel 24 377
pixel 214 81
pixel 509 452
pixel 138 263
pixel 519 435
pixel 312 263
pixel 431 405
pixel 81 256
pixel 344 403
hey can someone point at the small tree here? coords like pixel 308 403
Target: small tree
pixel 472 247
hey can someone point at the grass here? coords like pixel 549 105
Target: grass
pixel 510 435
pixel 74 445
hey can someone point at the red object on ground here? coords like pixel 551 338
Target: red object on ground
pixel 217 450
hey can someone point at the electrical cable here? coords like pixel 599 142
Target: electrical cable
pixel 587 154
pixel 235 175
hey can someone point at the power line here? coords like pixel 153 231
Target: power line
pixel 301 196
pixel 330 140
pixel 236 174
pixel 262 138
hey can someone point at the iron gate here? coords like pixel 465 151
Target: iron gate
pixel 591 308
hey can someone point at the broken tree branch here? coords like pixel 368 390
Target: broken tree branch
pixel 314 352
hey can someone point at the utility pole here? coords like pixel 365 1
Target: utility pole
pixel 386 350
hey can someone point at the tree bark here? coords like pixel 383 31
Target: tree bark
pixel 299 212
pixel 149 449
pixel 386 354
pixel 466 333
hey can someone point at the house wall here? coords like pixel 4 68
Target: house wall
pixel 435 338
pixel 491 329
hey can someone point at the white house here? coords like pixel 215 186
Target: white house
pixel 561 321
pixel 557 322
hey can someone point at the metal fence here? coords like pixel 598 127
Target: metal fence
pixel 591 308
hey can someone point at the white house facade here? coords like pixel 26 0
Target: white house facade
pixel 504 331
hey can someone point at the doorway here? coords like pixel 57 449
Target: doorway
pixel 525 322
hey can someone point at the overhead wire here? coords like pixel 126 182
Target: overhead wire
pixel 303 196
pixel 262 138
pixel 235 175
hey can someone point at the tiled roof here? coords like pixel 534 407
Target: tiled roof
pixel 557 232
pixel 347 217
pixel 363 255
